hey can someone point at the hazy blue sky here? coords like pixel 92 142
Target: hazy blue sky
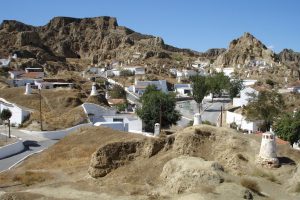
pixel 195 24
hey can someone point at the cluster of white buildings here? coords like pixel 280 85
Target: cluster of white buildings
pixel 139 87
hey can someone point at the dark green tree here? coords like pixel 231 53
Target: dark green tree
pixel 117 92
pixel 287 127
pixel 157 107
pixel 6 115
pixel 200 89
pixel 217 83
pixel 235 86
pixel 265 106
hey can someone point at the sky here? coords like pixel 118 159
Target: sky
pixel 193 24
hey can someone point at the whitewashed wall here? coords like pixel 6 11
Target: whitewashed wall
pixel 244 97
pixel 55 135
pixel 18 114
pixel 113 125
pixel 134 124
pixel 11 149
pixel 241 121
pixel 97 112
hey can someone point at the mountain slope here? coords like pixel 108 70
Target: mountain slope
pixel 97 39
pixel 243 50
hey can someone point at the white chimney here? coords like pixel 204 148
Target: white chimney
pixel 156 129
pixel 27 89
pixel 197 119
pixel 94 91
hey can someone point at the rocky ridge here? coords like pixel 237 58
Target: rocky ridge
pixel 97 39
pixel 243 50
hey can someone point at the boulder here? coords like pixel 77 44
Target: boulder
pixel 114 155
pixel 186 173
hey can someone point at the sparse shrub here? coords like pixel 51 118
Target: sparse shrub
pixel 270 82
pixel 208 123
pixel 30 178
pixel 251 185
pixel 242 157
pixel 269 176
pixel 297 187
pixel 126 73
pixel 208 189
pixel 233 125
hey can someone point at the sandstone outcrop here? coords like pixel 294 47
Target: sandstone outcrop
pixel 190 173
pixel 114 155
pixel 97 39
pixel 243 50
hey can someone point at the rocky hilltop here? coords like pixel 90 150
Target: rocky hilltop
pixel 243 50
pixel 97 39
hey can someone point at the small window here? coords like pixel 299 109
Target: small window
pixel 117 120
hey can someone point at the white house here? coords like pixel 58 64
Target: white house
pixel 183 90
pixel 19 113
pixel 249 82
pixel 136 55
pixel 199 64
pixel 241 122
pixel 228 71
pixel 140 86
pixel 244 97
pixel 185 73
pixel 108 117
pixel 137 70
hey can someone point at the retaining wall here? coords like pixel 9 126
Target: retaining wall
pixel 11 149
pixel 56 135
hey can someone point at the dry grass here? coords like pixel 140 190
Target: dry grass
pixel 29 177
pixel 208 189
pixel 59 106
pixel 267 175
pixel 297 187
pixel 251 185
pixel 242 157
pixel 75 150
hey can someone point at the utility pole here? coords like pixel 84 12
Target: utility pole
pixel 160 117
pixel 41 119
pixel 221 116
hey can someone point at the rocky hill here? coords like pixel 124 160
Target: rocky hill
pixel 243 50
pixel 96 39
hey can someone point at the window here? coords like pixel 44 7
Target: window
pixel 117 120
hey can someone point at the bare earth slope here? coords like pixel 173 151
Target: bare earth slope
pixel 201 162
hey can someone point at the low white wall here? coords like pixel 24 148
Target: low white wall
pixel 241 121
pixel 113 125
pixel 239 102
pixel 11 149
pixel 55 135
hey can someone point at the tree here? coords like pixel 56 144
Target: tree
pixel 117 92
pixel 126 72
pixel 287 127
pixel 266 106
pixel 6 115
pixel 235 86
pixel 200 89
pixel 217 82
pixel 157 107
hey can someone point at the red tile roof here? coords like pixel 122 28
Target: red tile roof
pixel 33 75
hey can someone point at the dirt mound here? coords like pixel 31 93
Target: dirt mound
pixel 99 100
pixel 190 173
pixel 114 155
pixel 190 142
